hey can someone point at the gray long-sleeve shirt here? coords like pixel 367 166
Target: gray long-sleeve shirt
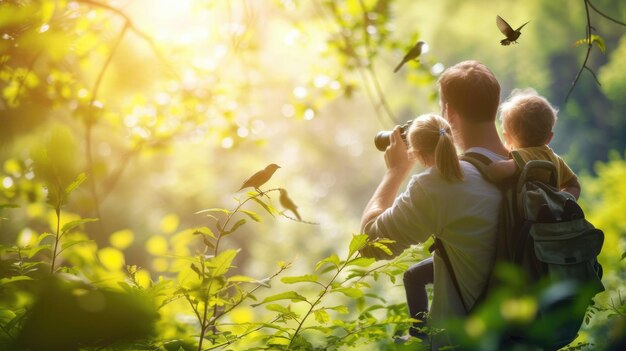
pixel 463 215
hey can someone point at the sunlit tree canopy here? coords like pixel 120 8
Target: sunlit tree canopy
pixel 127 128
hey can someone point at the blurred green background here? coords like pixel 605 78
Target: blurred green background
pixel 168 106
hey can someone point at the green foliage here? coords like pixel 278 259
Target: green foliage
pixel 114 130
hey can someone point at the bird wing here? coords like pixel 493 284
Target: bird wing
pixel 410 55
pixel 252 180
pixel 522 26
pixel 504 27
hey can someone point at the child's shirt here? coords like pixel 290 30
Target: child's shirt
pixel 564 173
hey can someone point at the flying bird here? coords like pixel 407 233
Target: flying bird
pixel 288 204
pixel 505 28
pixel 411 55
pixel 261 177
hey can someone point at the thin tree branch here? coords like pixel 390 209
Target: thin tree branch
pixel 96 86
pixel 605 15
pixel 89 121
pixel 589 47
pixel 128 22
pixel 360 69
pixel 370 65
pixel 112 180
pixel 593 74
pixel 23 80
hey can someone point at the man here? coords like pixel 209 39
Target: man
pixel 463 215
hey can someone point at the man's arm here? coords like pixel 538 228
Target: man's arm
pixel 398 167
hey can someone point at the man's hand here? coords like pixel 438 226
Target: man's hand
pixel 396 155
pixel 398 166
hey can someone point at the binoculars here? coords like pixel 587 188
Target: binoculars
pixel 383 138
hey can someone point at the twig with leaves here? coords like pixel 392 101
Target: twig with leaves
pixel 214 300
pixel 589 40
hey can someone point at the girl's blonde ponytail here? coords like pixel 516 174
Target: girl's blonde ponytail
pixel 430 136
pixel 446 159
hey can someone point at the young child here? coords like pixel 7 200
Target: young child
pixel 431 144
pixel 527 122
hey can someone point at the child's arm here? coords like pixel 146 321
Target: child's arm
pixel 501 169
pixel 572 187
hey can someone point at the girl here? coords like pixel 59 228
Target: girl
pixel 431 144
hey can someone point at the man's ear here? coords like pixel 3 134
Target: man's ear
pixel 450 113
pixel 549 138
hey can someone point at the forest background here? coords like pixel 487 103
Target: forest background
pixel 126 128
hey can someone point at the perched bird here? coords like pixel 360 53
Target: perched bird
pixel 411 55
pixel 288 204
pixel 505 28
pixel 261 177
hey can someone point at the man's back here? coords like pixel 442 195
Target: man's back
pixel 463 215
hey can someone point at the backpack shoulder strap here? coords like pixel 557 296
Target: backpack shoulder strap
pixel 438 246
pixel 518 159
pixel 479 161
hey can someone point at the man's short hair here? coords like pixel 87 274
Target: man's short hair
pixel 528 117
pixel 472 90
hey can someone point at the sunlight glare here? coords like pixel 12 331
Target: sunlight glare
pixel 309 114
pixel 25 237
pixel 7 182
pixel 321 80
pixel 288 110
pixel 300 92
pixel 335 85
pixel 437 68
pixel 243 132
pixel 228 142
pixel 257 126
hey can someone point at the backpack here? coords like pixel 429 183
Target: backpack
pixel 543 233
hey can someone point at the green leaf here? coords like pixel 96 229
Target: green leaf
pixel 222 262
pixel 6 316
pixel 235 226
pixel 73 224
pixel 350 292
pixel 332 259
pixel 76 183
pixel 3 206
pixel 253 215
pixel 361 261
pixel 623 256
pixel 278 308
pixel 17 278
pixel 382 247
pixel 208 210
pixel 196 269
pixel 358 242
pixel 321 316
pixel 43 236
pixel 206 231
pixel 341 309
pixel 598 40
pixel 267 207
pixel 289 295
pixel 308 278
pixel 68 244
pixel 35 250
